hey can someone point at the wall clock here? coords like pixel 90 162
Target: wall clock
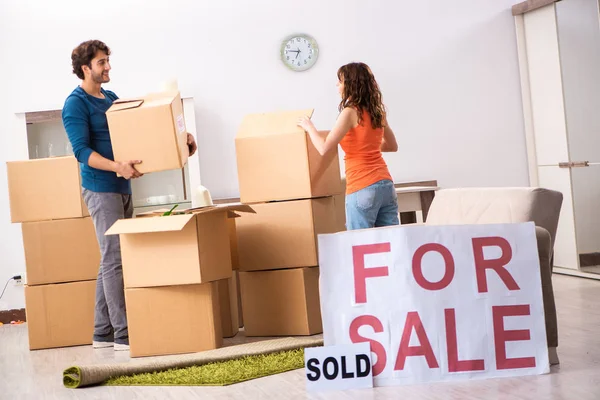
pixel 299 52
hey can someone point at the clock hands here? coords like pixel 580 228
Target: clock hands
pixel 297 51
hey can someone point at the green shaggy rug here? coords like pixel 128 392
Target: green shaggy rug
pixel 220 373
pixel 218 367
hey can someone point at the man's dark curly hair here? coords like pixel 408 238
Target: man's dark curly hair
pixel 85 53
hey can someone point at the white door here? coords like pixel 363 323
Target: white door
pixel 559 58
pixel 578 26
pixel 541 72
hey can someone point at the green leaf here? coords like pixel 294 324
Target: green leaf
pixel 170 212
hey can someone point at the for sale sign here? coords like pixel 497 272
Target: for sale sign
pixel 436 303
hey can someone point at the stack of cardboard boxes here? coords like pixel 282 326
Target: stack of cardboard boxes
pixel 180 270
pixel 61 251
pixel 295 193
pixel 175 270
pixel 180 291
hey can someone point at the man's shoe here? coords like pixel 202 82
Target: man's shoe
pixel 102 345
pixel 121 347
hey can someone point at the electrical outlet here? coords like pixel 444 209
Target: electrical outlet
pixel 18 282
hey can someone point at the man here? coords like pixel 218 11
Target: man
pixel 107 196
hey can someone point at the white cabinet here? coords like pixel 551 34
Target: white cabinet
pixel 559 58
pixel 46 137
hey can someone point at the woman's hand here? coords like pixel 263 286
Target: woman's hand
pixel 306 124
pixel 326 143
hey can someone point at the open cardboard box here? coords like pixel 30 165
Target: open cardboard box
pixel 189 247
pixel 276 160
pixel 233 242
pixel 150 129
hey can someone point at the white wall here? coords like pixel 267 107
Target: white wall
pixel 448 71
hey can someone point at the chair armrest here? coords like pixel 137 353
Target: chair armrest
pixel 545 253
pixel 544 244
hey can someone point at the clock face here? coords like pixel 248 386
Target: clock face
pixel 299 52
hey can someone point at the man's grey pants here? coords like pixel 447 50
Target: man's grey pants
pixel 110 318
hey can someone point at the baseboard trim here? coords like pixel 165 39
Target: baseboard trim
pixel 577 273
pixel 12 315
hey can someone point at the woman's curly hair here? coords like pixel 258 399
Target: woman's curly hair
pixel 361 91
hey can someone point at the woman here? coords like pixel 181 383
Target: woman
pixel 363 132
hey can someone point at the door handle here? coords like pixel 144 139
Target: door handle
pixel 574 164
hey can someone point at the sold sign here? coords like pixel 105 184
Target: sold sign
pixel 338 367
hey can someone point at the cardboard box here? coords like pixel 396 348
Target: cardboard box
pixel 340 206
pixel 276 160
pixel 151 129
pixel 182 249
pixel 60 251
pixel 173 319
pixel 239 297
pixel 284 234
pixel 60 315
pixel 235 258
pixel 45 189
pixel 228 303
pixel 281 303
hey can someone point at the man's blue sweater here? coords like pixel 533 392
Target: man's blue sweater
pixel 84 118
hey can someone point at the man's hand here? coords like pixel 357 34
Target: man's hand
pixel 191 142
pixel 127 170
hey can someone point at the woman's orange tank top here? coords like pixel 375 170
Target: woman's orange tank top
pixel 364 163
